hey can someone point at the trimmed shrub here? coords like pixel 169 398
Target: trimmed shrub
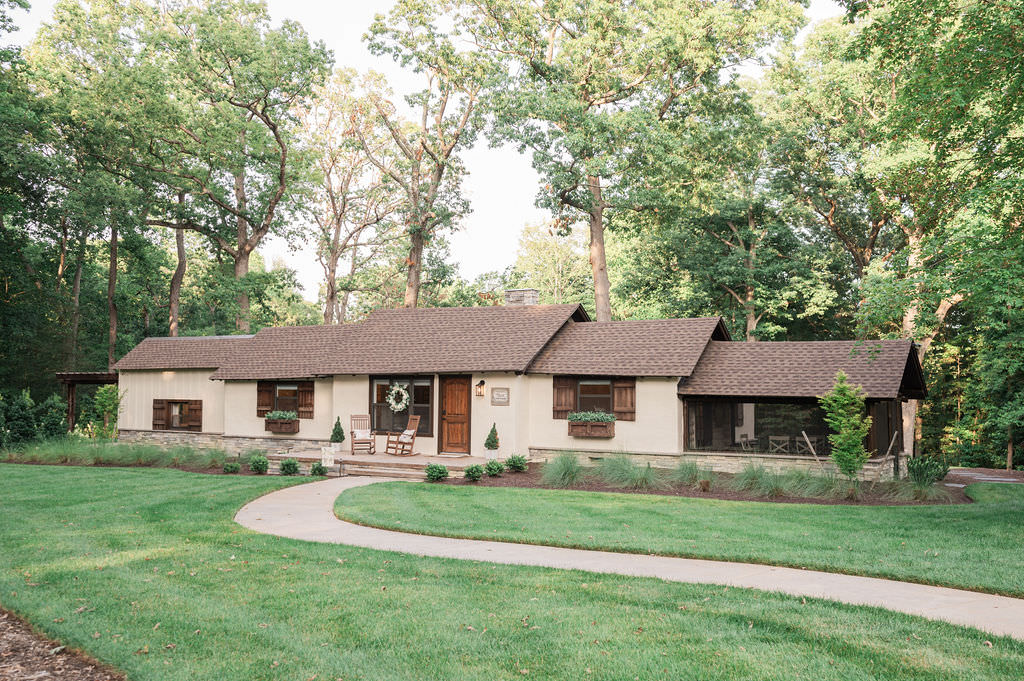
pixel 436 472
pixel 289 467
pixel 564 470
pixel 494 468
pixel 516 463
pixel 474 473
pixel 924 470
pixel 491 442
pixel 232 467
pixel 337 432
pixel 845 415
pixel 258 464
pixel 19 417
pixel 318 469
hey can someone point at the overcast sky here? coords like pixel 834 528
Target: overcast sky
pixel 501 186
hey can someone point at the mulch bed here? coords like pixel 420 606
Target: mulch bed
pixel 28 656
pixel 870 494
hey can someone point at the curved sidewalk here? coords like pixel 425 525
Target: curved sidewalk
pixel 307 512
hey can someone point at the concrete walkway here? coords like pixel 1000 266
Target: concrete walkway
pixel 307 512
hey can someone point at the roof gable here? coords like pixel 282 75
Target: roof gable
pixel 886 369
pixel 638 347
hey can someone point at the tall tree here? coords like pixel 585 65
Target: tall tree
pixel 588 83
pixel 447 117
pixel 354 200
pixel 554 264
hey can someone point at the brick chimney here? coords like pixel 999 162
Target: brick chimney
pixel 522 296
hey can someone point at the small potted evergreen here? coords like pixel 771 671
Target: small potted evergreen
pixel 337 436
pixel 491 443
pixel 591 424
pixel 282 422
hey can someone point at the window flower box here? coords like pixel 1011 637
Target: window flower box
pixel 282 425
pixel 285 422
pixel 591 424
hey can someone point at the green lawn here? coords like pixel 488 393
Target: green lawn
pixel 144 569
pixel 973 546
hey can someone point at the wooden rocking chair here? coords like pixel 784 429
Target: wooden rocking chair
pixel 400 444
pixel 361 435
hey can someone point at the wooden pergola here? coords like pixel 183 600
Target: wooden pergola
pixel 72 379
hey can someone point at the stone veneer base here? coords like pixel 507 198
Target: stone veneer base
pixel 877 469
pixel 232 444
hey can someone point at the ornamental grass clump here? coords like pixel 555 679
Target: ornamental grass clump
pixel 622 471
pixel 565 470
pixel 845 415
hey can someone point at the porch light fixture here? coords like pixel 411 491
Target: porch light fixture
pixel 479 388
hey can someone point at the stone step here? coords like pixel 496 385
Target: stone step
pixel 397 462
pixel 403 474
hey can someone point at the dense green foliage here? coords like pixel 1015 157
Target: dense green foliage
pixel 474 473
pixel 899 542
pixel 491 441
pixel 259 464
pixel 845 415
pixel 591 416
pixel 494 468
pixel 436 472
pixel 77 561
pixel 289 467
pixel 281 415
pixel 565 470
pixel 516 463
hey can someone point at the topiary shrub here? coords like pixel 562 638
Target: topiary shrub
pixel 925 470
pixel 516 463
pixel 494 468
pixel 337 432
pixel 491 443
pixel 845 415
pixel 474 473
pixel 232 467
pixel 258 464
pixel 318 469
pixel 289 467
pixel 436 472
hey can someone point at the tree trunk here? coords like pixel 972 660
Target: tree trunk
pixel 62 260
pixel 750 312
pixel 598 262
pixel 331 287
pixel 111 304
pixel 415 264
pixel 176 279
pixel 1009 448
pixel 342 309
pixel 76 311
pixel 242 269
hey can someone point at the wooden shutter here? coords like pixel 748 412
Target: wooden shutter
pixel 305 399
pixel 264 398
pixel 159 414
pixel 195 415
pixel 563 396
pixel 624 398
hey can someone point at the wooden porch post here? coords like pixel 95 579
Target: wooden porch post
pixel 71 406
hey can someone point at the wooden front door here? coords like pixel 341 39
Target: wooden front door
pixel 455 414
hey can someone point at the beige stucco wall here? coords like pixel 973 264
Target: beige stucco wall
pixel 656 429
pixel 140 388
pixel 240 419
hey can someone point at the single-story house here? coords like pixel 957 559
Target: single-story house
pixel 677 387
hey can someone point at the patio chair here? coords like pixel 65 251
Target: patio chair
pixel 803 448
pixel 747 443
pixel 400 444
pixel 778 444
pixel 361 435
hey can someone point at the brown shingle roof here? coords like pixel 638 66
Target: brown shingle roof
pixel 640 347
pixel 183 352
pixel 405 341
pixel 885 369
